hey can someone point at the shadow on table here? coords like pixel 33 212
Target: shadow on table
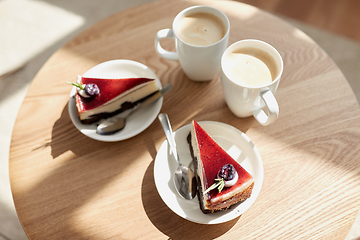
pixel 172 225
pixel 76 160
pixel 64 132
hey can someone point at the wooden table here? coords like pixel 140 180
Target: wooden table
pixel 67 186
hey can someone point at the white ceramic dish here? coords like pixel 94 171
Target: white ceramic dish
pixel 235 142
pixel 137 122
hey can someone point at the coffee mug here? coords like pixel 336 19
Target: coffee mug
pixel 201 35
pixel 250 75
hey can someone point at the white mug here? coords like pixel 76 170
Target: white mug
pixel 200 63
pixel 245 100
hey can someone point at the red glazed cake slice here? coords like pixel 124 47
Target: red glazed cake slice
pixel 115 96
pixel 209 158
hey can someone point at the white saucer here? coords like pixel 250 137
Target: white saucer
pixel 137 122
pixel 235 142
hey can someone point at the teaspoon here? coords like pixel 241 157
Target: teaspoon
pixel 184 178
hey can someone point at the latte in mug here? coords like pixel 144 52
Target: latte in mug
pixel 201 29
pixel 250 67
pixel 201 35
pixel 250 74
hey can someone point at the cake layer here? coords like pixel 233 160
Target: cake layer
pixel 116 95
pixel 208 159
pixel 237 196
pixel 113 89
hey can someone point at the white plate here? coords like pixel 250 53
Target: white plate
pixel 235 142
pixel 137 122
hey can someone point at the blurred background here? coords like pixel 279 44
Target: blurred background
pixel 31 31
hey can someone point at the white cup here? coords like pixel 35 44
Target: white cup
pixel 244 100
pixel 200 63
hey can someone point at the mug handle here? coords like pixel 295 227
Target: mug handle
pixel 272 109
pixel 165 33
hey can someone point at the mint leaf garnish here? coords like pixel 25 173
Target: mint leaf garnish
pixel 78 85
pixel 219 184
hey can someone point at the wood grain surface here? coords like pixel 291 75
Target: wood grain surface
pixel 68 186
pixel 337 16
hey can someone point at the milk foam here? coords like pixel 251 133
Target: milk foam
pixel 250 67
pixel 201 29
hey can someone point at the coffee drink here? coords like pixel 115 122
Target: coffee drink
pixel 201 29
pixel 250 74
pixel 201 35
pixel 249 66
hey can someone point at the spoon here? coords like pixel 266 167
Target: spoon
pixel 117 123
pixel 184 178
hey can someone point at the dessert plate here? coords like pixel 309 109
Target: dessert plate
pixel 235 142
pixel 137 122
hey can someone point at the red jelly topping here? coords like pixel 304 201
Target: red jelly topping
pixel 213 158
pixel 109 89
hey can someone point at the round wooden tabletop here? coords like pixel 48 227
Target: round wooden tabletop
pixel 66 185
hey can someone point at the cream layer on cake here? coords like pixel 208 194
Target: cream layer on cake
pixel 133 95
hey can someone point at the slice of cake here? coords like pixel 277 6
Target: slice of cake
pixel 99 98
pixel 222 182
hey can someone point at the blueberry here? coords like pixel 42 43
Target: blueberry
pixel 92 89
pixel 227 172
